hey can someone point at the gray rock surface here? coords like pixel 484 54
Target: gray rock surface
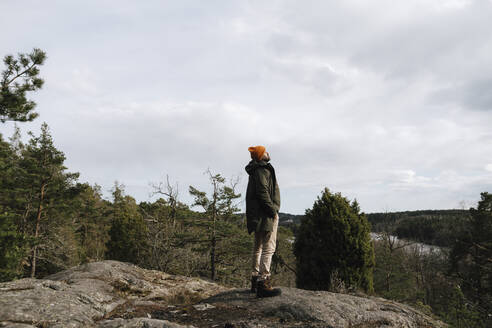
pixel 83 295
pixel 139 323
pixel 112 294
pixel 318 309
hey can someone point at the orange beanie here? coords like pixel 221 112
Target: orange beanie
pixel 257 152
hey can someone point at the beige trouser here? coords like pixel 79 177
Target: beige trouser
pixel 263 250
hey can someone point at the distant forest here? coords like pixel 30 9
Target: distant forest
pixel 434 227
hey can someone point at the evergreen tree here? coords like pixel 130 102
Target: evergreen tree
pixel 13 248
pixel 92 225
pixel 333 242
pixel 471 257
pixel 14 105
pixel 218 208
pixel 13 191
pixel 128 231
pixel 47 188
pixel 35 204
pixel 13 244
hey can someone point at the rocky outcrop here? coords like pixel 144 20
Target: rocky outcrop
pixel 112 294
pixel 318 309
pixel 86 295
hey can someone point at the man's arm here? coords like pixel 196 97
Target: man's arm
pixel 262 176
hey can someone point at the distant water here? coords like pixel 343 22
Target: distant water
pixel 412 246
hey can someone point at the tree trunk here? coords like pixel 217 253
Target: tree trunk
pixel 214 241
pixel 36 232
pixel 173 212
pixel 24 218
pixel 212 258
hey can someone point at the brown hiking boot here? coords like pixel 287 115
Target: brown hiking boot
pixel 254 283
pixel 265 289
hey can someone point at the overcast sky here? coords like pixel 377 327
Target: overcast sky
pixel 389 102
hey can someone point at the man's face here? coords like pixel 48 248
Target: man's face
pixel 266 156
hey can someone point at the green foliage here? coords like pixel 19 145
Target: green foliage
pixel 392 277
pixel 13 244
pixel 14 105
pixel 35 201
pixel 461 313
pixel 434 227
pixel 128 230
pixel 13 248
pixel 283 260
pixel 181 240
pixel 471 257
pixel 334 237
pixel 219 208
pixel 232 255
pixel 452 283
pixel 50 189
pixel 161 218
pixel 91 223
pixel 12 191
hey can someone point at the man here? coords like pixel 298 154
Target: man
pixel 262 206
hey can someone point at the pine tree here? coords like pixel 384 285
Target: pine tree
pixel 471 257
pixel 332 243
pixel 128 231
pixel 47 188
pixel 13 244
pixel 14 105
pixel 92 224
pixel 218 208
pixel 13 248
pixel 35 198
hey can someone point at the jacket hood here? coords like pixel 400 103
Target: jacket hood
pixel 253 165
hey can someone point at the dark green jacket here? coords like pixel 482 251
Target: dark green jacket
pixel 262 196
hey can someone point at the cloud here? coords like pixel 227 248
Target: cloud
pixel 478 95
pixel 386 102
